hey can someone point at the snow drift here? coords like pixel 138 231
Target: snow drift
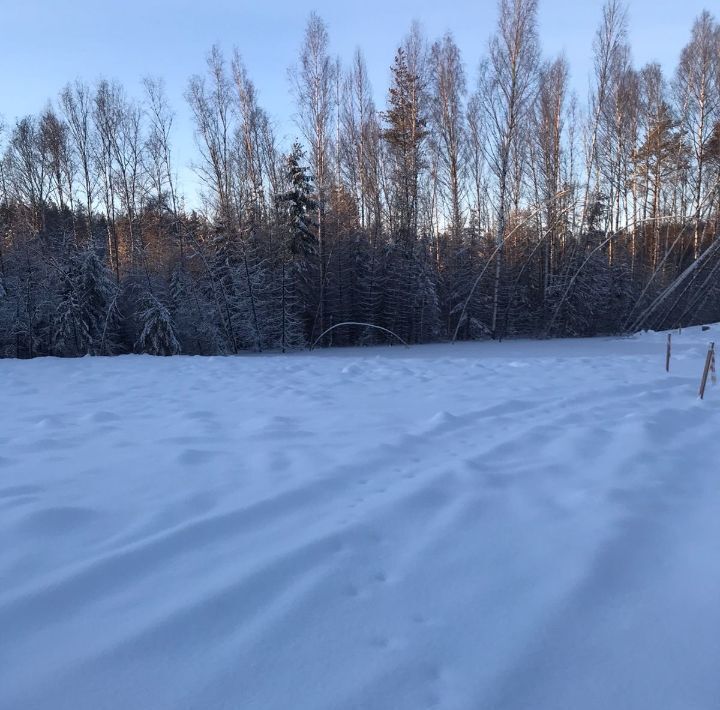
pixel 507 526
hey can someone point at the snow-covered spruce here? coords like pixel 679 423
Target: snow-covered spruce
pixel 157 330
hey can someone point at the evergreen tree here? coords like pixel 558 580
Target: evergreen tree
pixel 157 334
pixel 298 295
pixel 97 296
pixel 71 332
pixel 521 212
pixel 405 134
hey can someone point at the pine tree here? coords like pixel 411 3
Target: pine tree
pixel 157 335
pixel 405 133
pixel 192 314
pixel 298 296
pixel 97 297
pixel 299 204
pixel 71 332
pixel 85 316
pixel 406 282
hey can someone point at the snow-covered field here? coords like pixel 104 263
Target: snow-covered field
pixel 525 525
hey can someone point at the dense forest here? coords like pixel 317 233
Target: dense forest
pixel 483 203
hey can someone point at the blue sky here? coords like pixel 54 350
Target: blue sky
pixel 46 43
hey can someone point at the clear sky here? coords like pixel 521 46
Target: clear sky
pixel 47 43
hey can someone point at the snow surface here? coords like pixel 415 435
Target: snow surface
pixel 523 525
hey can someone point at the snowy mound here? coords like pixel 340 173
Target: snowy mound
pixel 508 526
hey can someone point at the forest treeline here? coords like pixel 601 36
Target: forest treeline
pixel 482 203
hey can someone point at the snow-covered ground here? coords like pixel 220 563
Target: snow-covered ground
pixel 525 525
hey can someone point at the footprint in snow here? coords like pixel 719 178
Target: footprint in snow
pixel 381 642
pixel 195 457
pixel 351 591
pixel 352 369
pixel 201 415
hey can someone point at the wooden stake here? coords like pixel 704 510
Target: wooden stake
pixel 709 364
pixel 668 352
pixel 713 376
